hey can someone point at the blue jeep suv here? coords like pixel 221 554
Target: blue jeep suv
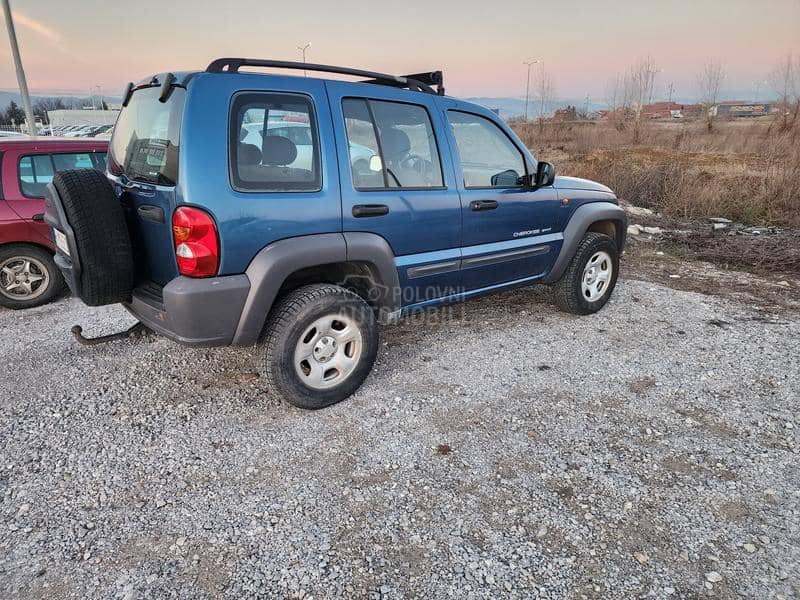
pixel 295 213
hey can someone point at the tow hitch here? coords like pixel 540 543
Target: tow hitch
pixel 135 331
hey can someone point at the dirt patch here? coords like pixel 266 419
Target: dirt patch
pixel 654 260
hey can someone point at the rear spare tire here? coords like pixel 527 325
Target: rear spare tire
pixel 99 264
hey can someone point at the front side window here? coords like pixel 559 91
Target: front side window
pixel 391 145
pixel 274 144
pixel 488 157
pixel 37 170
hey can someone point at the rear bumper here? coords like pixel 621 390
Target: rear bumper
pixel 194 312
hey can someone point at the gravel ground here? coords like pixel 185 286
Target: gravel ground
pixel 501 449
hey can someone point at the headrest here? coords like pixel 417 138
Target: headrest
pixel 395 143
pixel 278 151
pixel 249 154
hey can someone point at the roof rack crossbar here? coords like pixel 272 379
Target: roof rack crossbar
pixel 422 82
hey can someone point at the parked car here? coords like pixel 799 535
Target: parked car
pixel 28 275
pixel 212 233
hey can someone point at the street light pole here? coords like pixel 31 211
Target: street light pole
pixel 23 85
pixel 528 86
pixel 303 50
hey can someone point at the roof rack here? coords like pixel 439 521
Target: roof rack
pixel 419 82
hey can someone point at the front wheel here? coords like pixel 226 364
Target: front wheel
pixel 586 285
pixel 28 277
pixel 318 345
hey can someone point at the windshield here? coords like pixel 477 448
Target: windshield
pixel 147 137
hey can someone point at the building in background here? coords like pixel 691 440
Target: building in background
pixel 738 108
pixel 568 113
pixel 61 118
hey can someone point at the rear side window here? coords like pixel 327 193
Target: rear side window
pixel 488 157
pixel 37 170
pixel 391 145
pixel 274 144
pixel 146 140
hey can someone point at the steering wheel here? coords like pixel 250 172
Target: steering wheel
pixel 416 163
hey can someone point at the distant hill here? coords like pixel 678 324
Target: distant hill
pixel 7 97
pixel 515 107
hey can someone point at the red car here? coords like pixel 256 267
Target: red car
pixel 28 275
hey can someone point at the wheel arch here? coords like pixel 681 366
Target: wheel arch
pixel 40 246
pixel 361 262
pixel 601 217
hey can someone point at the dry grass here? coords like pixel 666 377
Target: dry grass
pixel 746 170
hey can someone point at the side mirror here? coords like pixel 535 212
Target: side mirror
pixel 545 174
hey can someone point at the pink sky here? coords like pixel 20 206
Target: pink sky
pixel 72 46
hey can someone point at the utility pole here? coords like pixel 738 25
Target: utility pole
pixel 758 89
pixel 23 85
pixel 586 107
pixel 671 89
pixel 303 51
pixel 652 82
pixel 542 91
pixel 528 87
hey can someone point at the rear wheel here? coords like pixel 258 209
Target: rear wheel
pixel 318 345
pixel 28 277
pixel 591 276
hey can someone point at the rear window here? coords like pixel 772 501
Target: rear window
pixel 37 170
pixel 273 144
pixel 146 137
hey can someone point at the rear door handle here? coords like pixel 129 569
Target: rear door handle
pixel 483 204
pixel 370 210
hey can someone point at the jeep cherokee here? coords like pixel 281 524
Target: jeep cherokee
pixel 295 213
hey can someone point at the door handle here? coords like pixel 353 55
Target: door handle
pixel 38 217
pixel 483 204
pixel 370 210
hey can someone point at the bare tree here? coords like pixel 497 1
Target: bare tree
pixel 545 92
pixel 614 99
pixel 637 84
pixel 785 80
pixel 709 82
pixel 43 105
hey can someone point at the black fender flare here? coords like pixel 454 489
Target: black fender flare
pixel 579 224
pixel 270 268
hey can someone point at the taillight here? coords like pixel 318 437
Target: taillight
pixel 196 243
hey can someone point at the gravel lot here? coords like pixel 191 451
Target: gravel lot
pixel 502 449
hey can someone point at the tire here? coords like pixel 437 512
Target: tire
pixel 312 332
pixel 28 277
pixel 570 294
pixel 101 236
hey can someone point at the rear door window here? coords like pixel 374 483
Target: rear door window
pixel 401 135
pixel 274 144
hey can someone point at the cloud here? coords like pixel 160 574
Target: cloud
pixel 37 27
